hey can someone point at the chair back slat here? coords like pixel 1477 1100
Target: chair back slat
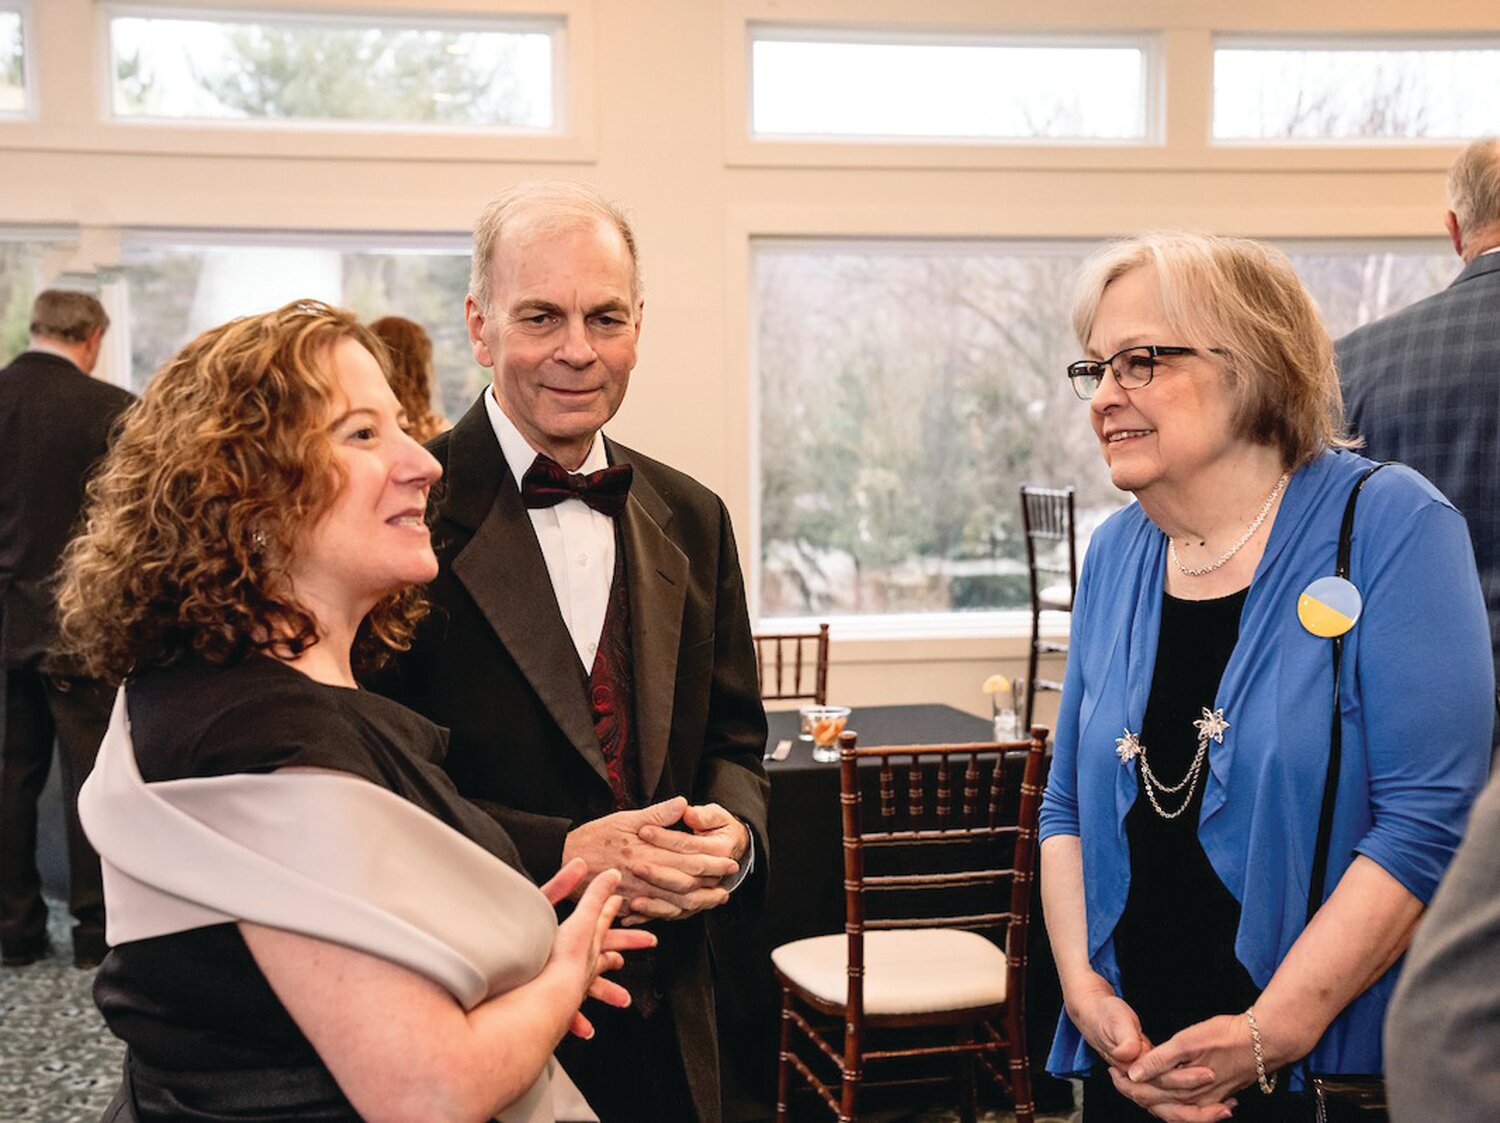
pixel 928 852
pixel 793 665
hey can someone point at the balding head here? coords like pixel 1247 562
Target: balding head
pixel 70 321
pixel 1474 196
pixel 544 207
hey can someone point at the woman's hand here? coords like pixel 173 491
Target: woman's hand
pixel 586 945
pixel 1107 1022
pixel 1192 1076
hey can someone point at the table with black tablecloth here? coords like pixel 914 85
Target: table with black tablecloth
pixel 806 894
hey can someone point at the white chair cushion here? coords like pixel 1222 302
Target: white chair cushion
pixel 915 971
pixel 1056 596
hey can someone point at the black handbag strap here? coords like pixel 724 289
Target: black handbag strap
pixel 1336 732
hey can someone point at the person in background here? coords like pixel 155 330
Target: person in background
pixel 409 349
pixel 55 422
pixel 1178 827
pixel 1420 384
pixel 307 920
pixel 590 643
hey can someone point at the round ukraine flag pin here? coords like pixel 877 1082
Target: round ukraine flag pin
pixel 1329 607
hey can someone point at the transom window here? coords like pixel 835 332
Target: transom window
pixel 812 84
pixel 12 61
pixel 335 69
pixel 1332 92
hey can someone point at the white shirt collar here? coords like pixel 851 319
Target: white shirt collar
pixel 1492 249
pixel 518 451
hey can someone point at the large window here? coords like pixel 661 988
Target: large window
pixel 329 68
pixel 908 388
pixel 1355 91
pixel 810 84
pixel 22 254
pixel 180 285
pixel 12 62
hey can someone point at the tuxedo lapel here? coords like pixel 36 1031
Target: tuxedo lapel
pixel 657 573
pixel 502 569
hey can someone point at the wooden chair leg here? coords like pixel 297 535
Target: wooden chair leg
pixel 968 1097
pixel 783 1065
pixel 1031 669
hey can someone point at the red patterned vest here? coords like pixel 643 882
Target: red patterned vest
pixel 611 686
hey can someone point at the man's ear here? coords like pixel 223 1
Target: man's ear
pixel 1450 220
pixel 474 317
pixel 640 311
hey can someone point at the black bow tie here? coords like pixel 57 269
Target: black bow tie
pixel 547 483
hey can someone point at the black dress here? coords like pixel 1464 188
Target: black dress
pixel 1174 942
pixel 206 1037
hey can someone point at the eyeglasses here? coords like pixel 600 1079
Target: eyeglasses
pixel 1133 368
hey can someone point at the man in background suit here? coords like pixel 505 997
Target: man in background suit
pixel 55 422
pixel 1423 386
pixel 589 645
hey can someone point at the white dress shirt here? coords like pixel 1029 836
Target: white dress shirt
pixel 578 543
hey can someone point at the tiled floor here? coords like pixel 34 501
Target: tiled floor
pixel 58 1062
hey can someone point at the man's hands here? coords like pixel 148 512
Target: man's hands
pixel 665 874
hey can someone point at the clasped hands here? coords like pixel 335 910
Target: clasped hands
pixel 665 874
pixel 1190 1078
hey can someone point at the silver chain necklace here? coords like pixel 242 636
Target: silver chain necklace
pixel 1210 727
pixel 1229 553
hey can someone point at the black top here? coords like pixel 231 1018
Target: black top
pixel 207 1037
pixel 1175 939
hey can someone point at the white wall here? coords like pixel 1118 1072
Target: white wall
pixel 660 121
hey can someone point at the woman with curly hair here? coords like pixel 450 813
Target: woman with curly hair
pixel 409 349
pixel 308 921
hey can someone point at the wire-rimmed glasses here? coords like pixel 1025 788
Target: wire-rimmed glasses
pixel 1133 368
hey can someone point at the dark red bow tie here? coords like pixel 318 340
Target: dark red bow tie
pixel 547 483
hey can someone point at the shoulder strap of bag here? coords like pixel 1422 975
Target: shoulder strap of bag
pixel 1336 732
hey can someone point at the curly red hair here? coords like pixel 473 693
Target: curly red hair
pixel 213 476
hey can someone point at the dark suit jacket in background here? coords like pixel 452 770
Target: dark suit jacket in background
pixel 54 426
pixel 1423 387
pixel 495 664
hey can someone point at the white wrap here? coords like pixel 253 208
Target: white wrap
pixel 319 853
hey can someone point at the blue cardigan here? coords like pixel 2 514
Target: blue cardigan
pixel 1418 703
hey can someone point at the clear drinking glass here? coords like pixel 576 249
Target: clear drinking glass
pixel 822 725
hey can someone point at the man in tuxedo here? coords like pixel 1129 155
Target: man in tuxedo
pixel 1421 385
pixel 54 426
pixel 589 645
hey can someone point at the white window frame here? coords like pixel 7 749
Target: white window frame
pixel 79 116
pixel 28 110
pixel 947 627
pixel 1150 108
pixel 553 25
pixel 1352 43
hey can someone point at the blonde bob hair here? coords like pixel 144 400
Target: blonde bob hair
pixel 1244 300
pixel 213 478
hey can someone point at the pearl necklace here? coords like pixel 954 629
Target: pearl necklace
pixel 1229 553
pixel 1210 727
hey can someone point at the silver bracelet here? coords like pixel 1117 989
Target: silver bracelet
pixel 1267 1083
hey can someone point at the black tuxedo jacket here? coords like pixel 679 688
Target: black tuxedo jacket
pixel 55 423
pixel 494 663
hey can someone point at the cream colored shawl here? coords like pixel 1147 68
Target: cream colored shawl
pixel 323 854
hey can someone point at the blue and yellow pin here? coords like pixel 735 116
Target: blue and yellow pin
pixel 1329 607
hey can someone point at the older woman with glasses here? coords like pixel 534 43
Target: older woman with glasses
pixel 1181 819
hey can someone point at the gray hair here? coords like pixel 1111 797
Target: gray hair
pixel 1474 187
pixel 69 316
pixel 546 206
pixel 1244 298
